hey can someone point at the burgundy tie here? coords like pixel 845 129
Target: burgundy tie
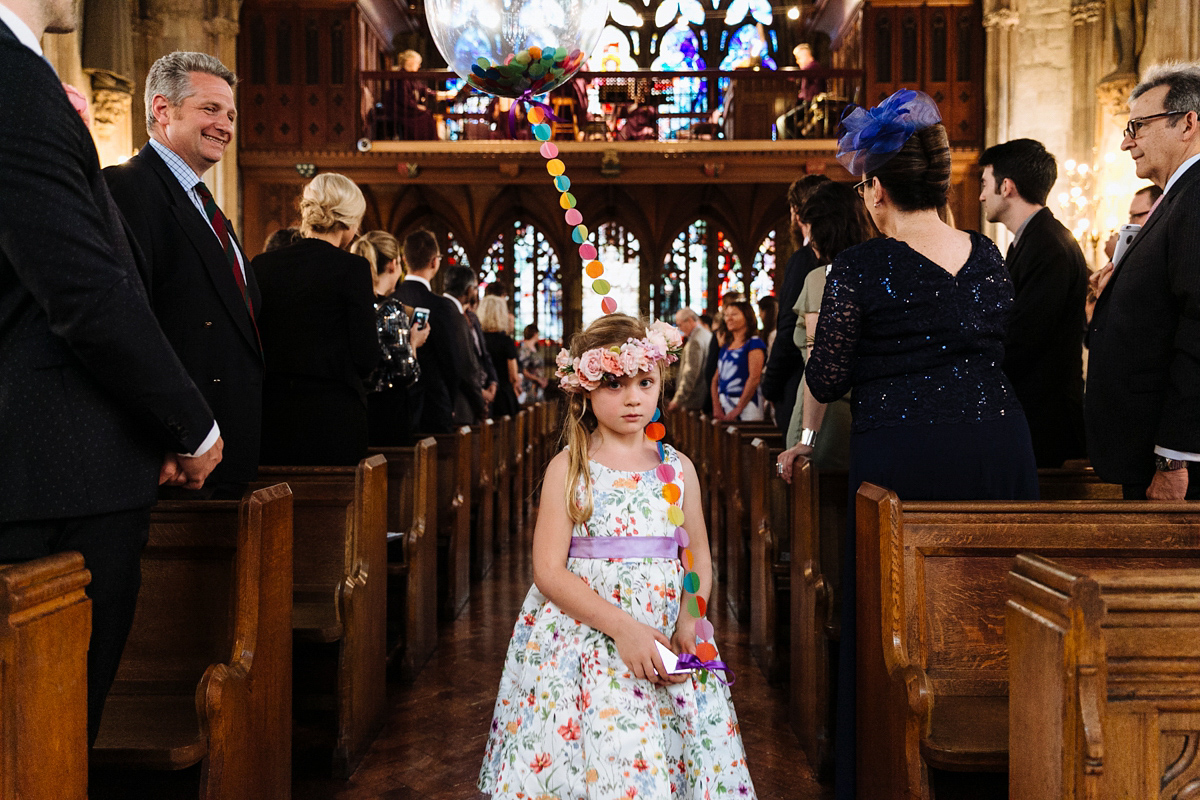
pixel 221 226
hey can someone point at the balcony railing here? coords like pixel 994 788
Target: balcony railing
pixel 617 106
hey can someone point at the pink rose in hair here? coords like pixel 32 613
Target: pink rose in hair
pixel 657 339
pixel 612 362
pixel 563 359
pixel 590 366
pixel 633 359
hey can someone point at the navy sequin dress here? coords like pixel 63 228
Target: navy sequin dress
pixel 934 417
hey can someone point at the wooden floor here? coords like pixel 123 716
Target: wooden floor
pixel 432 746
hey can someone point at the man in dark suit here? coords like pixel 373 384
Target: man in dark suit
pixel 1143 393
pixel 461 287
pixel 94 405
pixel 446 369
pixel 199 280
pixel 785 365
pixel 1043 354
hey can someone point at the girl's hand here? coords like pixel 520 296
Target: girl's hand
pixel 684 638
pixel 635 644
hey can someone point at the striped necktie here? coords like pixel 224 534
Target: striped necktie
pixel 221 226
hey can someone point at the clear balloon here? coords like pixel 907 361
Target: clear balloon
pixel 515 47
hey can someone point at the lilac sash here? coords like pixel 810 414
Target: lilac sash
pixel 623 547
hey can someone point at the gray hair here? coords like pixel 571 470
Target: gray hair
pixel 171 77
pixel 1182 80
pixel 688 313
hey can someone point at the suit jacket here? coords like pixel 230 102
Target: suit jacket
pixel 1043 353
pixel 1144 366
pixel 785 363
pixel 91 393
pixel 447 371
pixel 691 388
pixel 198 304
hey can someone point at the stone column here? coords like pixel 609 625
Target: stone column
pixel 1000 24
pixel 1087 47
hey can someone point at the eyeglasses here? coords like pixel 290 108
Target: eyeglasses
pixel 861 187
pixel 1135 125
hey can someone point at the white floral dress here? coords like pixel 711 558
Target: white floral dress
pixel 571 722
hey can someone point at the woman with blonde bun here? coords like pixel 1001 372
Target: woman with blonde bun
pixel 317 325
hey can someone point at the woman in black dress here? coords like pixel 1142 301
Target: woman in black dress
pixel 317 325
pixel 914 324
pixel 493 317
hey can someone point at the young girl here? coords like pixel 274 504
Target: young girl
pixel 586 707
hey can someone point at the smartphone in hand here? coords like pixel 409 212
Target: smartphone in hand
pixel 420 318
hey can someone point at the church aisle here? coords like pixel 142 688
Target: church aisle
pixel 432 745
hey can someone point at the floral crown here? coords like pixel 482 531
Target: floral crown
pixel 872 136
pixel 663 343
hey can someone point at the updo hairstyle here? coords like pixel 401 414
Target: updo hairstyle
pixel 918 176
pixel 379 248
pixel 837 219
pixel 330 203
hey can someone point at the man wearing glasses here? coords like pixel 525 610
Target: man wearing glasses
pixel 1139 208
pixel 1143 395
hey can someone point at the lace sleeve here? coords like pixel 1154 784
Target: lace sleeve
pixel 830 364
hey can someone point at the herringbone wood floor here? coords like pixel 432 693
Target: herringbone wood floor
pixel 433 743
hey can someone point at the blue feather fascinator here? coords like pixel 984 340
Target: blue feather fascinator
pixel 870 137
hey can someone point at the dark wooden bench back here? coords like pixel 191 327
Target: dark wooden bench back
pixel 412 554
pixel 483 497
pixel 1105 694
pixel 45 622
pixel 520 474
pixel 340 558
pixel 454 521
pixel 771 527
pixel 206 672
pixel 739 480
pixel 502 468
pixel 932 662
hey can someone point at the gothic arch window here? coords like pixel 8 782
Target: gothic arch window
pixel 538 277
pixel 456 255
pixel 762 273
pixel 698 252
pixel 621 255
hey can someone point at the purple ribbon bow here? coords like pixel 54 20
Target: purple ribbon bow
pixel 690 661
pixel 527 99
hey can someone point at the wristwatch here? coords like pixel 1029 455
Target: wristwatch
pixel 1164 464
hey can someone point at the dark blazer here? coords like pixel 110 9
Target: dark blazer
pixel 91 393
pixel 1144 363
pixel 1043 353
pixel 198 304
pixel 448 371
pixel 785 363
pixel 317 321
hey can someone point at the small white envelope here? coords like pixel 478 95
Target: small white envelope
pixel 669 660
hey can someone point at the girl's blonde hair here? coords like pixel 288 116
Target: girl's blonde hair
pixel 331 202
pixel 379 248
pixel 493 314
pixel 580 423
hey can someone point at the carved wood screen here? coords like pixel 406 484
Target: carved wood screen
pixel 935 48
pixel 299 88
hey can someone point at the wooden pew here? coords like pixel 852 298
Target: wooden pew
pixel 770 560
pixel 412 555
pixel 932 666
pixel 45 623
pixel 483 498
pixel 1078 483
pixel 738 482
pixel 520 483
pixel 454 521
pixel 206 674
pixel 340 597
pixel 1104 677
pixel 717 484
pixel 531 477
pixel 502 466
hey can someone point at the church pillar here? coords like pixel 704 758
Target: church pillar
pixel 1000 24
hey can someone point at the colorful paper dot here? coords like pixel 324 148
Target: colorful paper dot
pixel 567 200
pixel 594 269
pixel 573 216
pixel 535 115
pixel 541 132
pixel 691 582
pixel 608 305
pixel 693 607
pixel 657 415
pixel 587 252
pixel 671 491
pixel 666 473
pixel 706 652
pixel 549 150
pixel 704 628
pixel 689 561
pixel 681 537
pixel 655 432
pixel 701 608
pixel 580 234
pixel 675 515
pixel 562 182
pixel 555 166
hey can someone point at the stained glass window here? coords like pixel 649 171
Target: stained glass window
pixel 455 254
pixel 539 295
pixel 762 281
pixel 698 250
pixel 621 255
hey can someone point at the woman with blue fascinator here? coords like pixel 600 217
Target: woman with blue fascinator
pixel 913 324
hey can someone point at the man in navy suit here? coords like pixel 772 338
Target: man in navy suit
pixel 95 408
pixel 1143 395
pixel 198 276
pixel 1043 353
